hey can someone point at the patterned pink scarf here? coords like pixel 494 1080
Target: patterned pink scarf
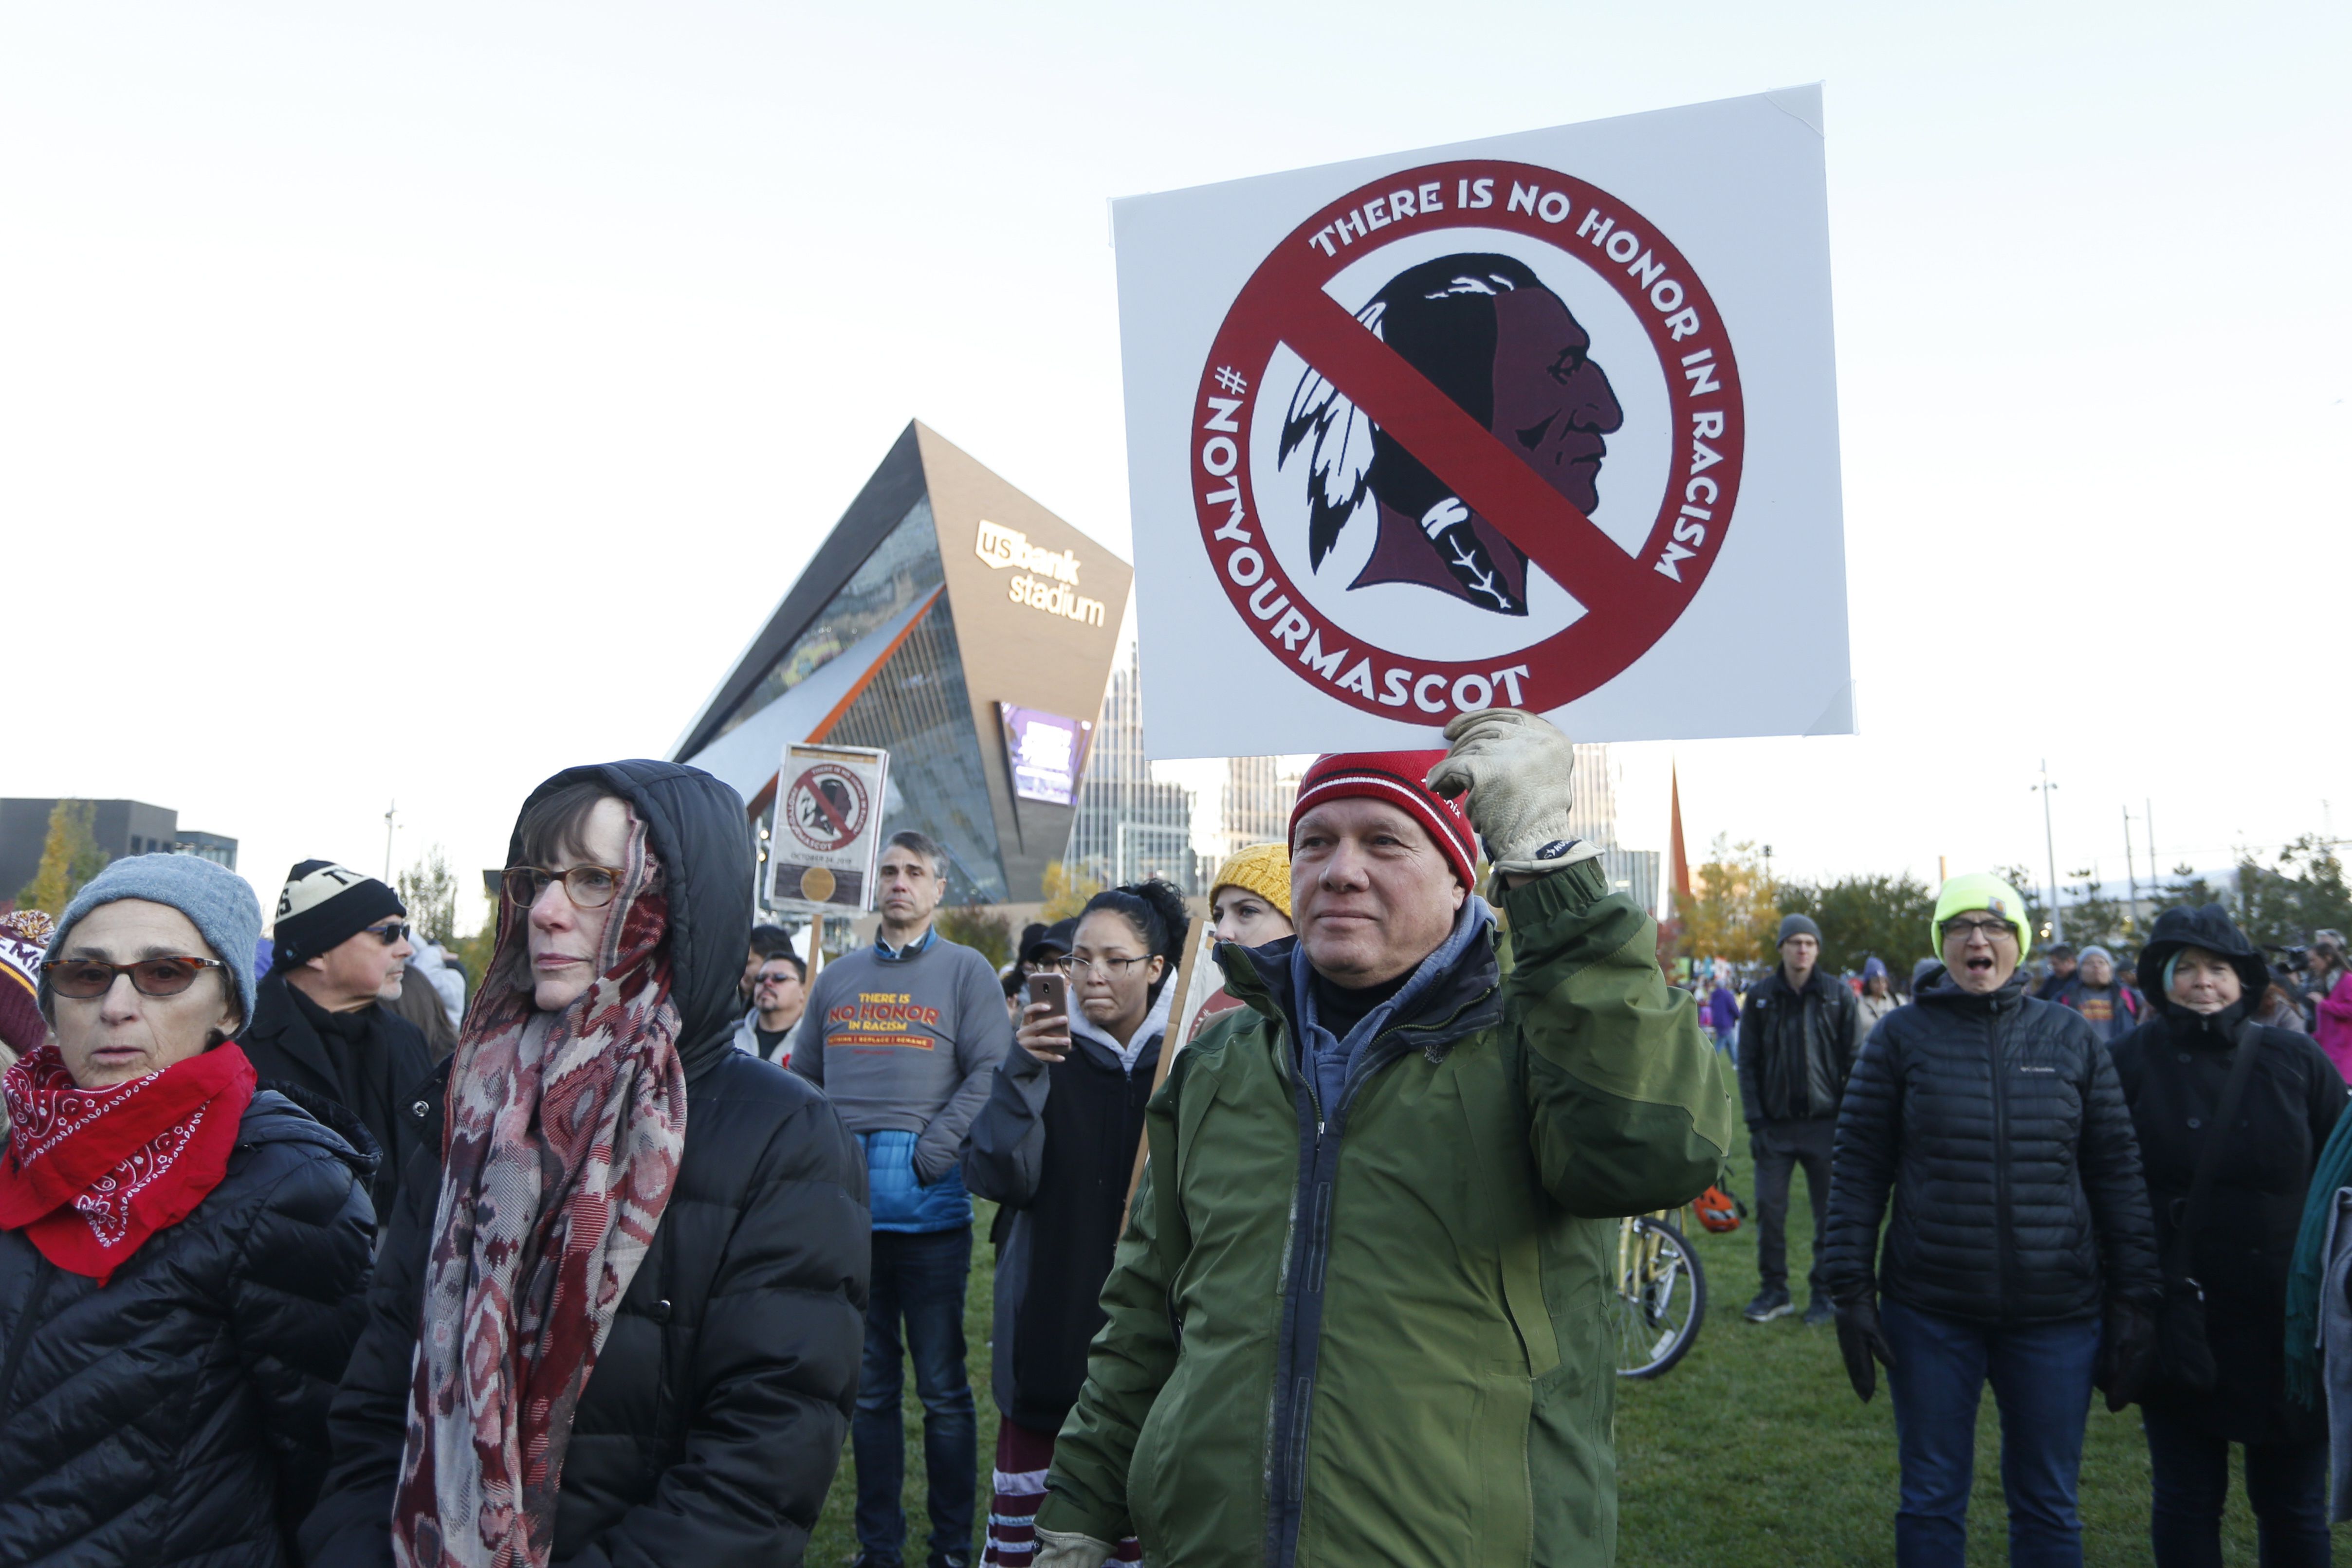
pixel 562 1145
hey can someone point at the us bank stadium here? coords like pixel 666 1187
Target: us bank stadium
pixel 956 623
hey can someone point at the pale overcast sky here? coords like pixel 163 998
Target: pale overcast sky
pixel 403 403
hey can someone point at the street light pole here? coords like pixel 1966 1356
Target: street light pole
pixel 389 808
pixel 2050 845
pixel 2131 868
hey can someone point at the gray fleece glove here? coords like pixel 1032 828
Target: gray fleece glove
pixel 1515 766
pixel 1067 1549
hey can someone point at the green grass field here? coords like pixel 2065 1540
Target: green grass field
pixel 1753 1451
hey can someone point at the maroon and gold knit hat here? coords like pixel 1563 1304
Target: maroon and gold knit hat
pixel 23 939
pixel 1396 778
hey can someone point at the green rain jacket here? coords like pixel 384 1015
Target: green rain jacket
pixel 1376 1332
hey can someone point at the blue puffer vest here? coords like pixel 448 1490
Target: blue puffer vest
pixel 901 1202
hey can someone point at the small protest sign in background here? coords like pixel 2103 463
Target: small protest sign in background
pixel 1547 421
pixel 827 833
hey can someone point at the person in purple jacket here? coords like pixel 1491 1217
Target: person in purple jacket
pixel 1723 1017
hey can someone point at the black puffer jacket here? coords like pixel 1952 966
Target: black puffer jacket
pixel 711 1426
pixel 179 1416
pixel 1998 1123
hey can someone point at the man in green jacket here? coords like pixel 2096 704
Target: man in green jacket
pixel 1359 1315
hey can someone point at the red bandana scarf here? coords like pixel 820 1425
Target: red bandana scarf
pixel 91 1174
pixel 563 1139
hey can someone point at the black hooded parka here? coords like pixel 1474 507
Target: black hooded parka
pixel 178 1415
pixel 2175 1069
pixel 1995 1123
pixel 714 1418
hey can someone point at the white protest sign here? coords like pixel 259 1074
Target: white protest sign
pixel 1546 420
pixel 827 835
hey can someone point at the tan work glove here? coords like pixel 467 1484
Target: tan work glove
pixel 1517 768
pixel 1066 1549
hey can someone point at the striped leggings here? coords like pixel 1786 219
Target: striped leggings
pixel 1024 1455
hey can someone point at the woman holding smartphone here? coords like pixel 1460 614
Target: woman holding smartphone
pixel 1055 1144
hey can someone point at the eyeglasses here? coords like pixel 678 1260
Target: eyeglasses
pixel 588 886
pixel 785 978
pixel 1108 968
pixel 86 978
pixel 1991 930
pixel 389 933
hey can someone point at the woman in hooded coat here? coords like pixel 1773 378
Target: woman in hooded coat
pixel 184 1258
pixel 658 1241
pixel 2236 1249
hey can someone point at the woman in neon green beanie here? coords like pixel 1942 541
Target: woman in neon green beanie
pixel 1994 1126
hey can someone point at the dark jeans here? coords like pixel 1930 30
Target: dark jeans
pixel 2041 1376
pixel 1780 1147
pixel 920 1277
pixel 2286 1483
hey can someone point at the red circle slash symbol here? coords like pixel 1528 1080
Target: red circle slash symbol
pixel 1629 601
pixel 825 807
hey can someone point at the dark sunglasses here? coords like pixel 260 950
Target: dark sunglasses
pixel 588 886
pixel 85 978
pixel 389 933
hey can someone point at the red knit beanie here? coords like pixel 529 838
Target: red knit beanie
pixel 1396 778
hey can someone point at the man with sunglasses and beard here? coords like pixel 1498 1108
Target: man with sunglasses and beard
pixel 321 1035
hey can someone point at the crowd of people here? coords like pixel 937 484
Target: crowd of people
pixel 2056 1181
pixel 1300 1260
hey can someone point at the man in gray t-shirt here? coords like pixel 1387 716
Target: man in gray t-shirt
pixel 905 1037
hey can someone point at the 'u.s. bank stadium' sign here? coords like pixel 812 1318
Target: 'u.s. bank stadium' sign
pixel 1048 581
pixel 1547 421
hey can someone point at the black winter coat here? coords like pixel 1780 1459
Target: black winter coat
pixel 373 1081
pixel 1999 1125
pixel 2173 1070
pixel 714 1418
pixel 179 1416
pixel 1056 1145
pixel 1797 1046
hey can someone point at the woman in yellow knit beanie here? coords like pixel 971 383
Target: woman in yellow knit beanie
pixel 1249 903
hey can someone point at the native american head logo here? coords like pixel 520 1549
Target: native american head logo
pixel 1489 335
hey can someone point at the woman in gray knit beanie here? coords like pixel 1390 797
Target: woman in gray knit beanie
pixel 183 1260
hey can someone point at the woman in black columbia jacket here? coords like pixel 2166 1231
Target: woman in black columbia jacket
pixel 712 1420
pixel 2202 976
pixel 2020 1218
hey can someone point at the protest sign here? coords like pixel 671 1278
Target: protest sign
pixel 827 834
pixel 1546 420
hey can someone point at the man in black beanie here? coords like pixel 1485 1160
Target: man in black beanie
pixel 1799 1031
pixel 340 948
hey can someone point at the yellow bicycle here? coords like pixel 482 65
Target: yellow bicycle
pixel 1661 1295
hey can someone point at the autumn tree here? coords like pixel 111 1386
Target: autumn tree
pixel 2300 892
pixel 1865 917
pixel 974 927
pixel 69 858
pixel 429 888
pixel 1734 906
pixel 2091 916
pixel 1067 888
